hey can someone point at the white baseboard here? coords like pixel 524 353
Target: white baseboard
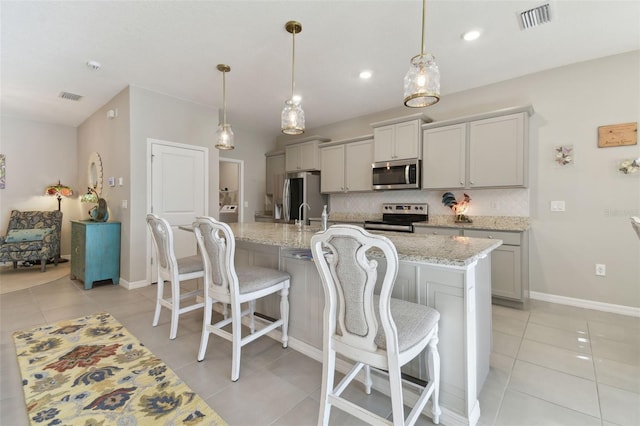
pixel 587 304
pixel 133 285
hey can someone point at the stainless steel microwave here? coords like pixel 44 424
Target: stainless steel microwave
pixel 399 174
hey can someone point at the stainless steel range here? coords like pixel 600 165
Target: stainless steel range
pixel 399 217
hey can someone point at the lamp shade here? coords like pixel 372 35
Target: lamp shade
pixel 224 137
pixel 58 190
pixel 292 118
pixel 90 197
pixel 422 82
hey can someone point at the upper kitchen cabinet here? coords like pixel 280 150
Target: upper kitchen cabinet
pixel 398 139
pixel 346 166
pixel 303 155
pixel 483 151
pixel 275 167
pixel 444 157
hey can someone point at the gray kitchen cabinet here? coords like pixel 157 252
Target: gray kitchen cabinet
pixel 483 151
pixel 306 300
pixel 346 167
pixel 509 266
pixel 398 139
pixel 497 155
pixel 302 157
pixel 275 167
pixel 444 157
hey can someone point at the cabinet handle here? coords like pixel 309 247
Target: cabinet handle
pixel 462 183
pixel 490 237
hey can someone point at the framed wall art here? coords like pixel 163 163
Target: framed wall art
pixel 618 135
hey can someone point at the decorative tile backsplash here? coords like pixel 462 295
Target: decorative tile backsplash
pixel 484 202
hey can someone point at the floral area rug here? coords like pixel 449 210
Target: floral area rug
pixel 92 371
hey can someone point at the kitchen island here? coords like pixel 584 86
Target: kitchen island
pixel 449 273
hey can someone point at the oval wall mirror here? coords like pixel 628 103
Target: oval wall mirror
pixel 95 172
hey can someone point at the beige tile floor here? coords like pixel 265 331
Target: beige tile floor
pixel 551 364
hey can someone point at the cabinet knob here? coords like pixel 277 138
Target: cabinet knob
pixel 490 237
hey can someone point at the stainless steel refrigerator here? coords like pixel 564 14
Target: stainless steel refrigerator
pixel 299 188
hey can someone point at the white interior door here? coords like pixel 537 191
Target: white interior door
pixel 179 191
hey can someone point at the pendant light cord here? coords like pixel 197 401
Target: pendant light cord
pixel 224 99
pixel 424 14
pixel 293 63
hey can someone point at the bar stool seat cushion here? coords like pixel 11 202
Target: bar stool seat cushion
pixel 254 278
pixel 187 265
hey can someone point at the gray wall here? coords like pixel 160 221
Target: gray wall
pixel 570 104
pixel 37 155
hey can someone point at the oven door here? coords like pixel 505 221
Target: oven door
pixel 403 174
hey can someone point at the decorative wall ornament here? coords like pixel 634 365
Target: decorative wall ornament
pixel 618 135
pixel 629 166
pixel 564 154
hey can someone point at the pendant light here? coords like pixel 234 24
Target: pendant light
pixel 224 134
pixel 422 81
pixel 292 114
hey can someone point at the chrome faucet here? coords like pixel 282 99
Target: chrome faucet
pixel 300 221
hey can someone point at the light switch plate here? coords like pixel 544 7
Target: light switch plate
pixel 557 206
pixel 112 181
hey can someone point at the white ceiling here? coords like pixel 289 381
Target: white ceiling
pixel 173 47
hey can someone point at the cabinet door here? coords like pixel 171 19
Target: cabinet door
pixel 383 139
pixel 309 156
pixel 506 263
pixel 357 171
pixel 332 166
pixel 407 140
pixel 506 278
pixel 275 167
pixel 292 158
pixel 443 157
pixel 77 250
pixel 306 301
pixel 497 151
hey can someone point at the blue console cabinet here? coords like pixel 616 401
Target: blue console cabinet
pixel 95 251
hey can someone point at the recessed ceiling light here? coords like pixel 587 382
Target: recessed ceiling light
pixel 366 74
pixel 471 35
pixel 94 65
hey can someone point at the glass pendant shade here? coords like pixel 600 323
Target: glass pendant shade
pixel 224 134
pixel 292 122
pixel 422 82
pixel 292 118
pixel 224 137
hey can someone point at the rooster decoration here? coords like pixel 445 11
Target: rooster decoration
pixel 459 208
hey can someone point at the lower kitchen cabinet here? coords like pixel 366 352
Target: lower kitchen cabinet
pixel 509 266
pixel 306 301
pixel 95 252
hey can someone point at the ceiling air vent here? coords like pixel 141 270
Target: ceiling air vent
pixel 536 16
pixel 70 96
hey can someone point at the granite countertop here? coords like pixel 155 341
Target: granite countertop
pixel 434 249
pixel 492 223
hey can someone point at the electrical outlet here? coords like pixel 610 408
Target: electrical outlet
pixel 601 269
pixel 495 205
pixel 557 206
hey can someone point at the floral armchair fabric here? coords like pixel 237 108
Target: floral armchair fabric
pixel 32 236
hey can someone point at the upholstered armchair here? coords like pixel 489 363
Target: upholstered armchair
pixel 32 236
